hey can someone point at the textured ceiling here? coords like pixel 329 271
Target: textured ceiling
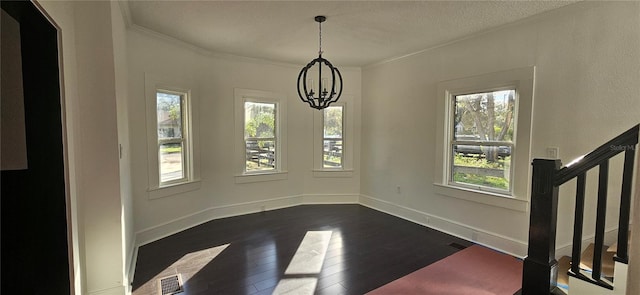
pixel 356 33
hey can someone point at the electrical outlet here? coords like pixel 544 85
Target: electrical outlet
pixel 398 190
pixel 553 152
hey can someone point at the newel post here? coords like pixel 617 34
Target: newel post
pixel 540 271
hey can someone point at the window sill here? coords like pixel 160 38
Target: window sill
pixel 260 177
pixel 174 189
pixel 335 173
pixel 483 197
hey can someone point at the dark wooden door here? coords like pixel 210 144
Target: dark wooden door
pixel 35 253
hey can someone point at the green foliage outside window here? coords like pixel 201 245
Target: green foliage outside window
pixel 479 178
pixel 260 125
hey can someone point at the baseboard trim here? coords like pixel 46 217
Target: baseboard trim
pixel 473 234
pixel 166 229
pixel 486 238
pixel 116 290
pixel 330 199
pixel 133 260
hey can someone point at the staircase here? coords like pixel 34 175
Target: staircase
pixel 609 270
pixel 596 269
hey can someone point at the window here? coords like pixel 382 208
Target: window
pixel 333 130
pixel 483 135
pixel 482 139
pixel 172 148
pixel 332 143
pixel 260 134
pixel 172 143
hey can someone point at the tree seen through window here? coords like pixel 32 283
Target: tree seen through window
pixel 482 141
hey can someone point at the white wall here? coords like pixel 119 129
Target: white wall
pixel 88 72
pixel 99 188
pixel 119 32
pixel 586 92
pixel 215 78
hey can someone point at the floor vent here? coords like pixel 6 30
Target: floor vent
pixel 457 246
pixel 170 285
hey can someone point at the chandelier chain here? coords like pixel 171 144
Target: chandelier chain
pixel 320 34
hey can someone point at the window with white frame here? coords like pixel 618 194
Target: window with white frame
pixel 482 139
pixel 172 148
pixel 260 136
pixel 260 133
pixel 332 139
pixel 172 145
pixel 484 129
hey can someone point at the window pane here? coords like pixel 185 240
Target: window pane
pixel 261 154
pixel 332 153
pixel 472 165
pixel 171 162
pixel 259 134
pixel 333 122
pixel 259 120
pixel 169 108
pixel 486 116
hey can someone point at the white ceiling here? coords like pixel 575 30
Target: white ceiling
pixel 356 33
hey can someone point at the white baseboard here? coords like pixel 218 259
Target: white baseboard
pixel 116 290
pixel 330 199
pixel 133 259
pixel 480 236
pixel 177 225
pixel 466 232
pixel 155 233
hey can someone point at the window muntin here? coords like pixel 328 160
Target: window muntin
pixel 482 140
pixel 172 141
pixel 260 136
pixel 332 140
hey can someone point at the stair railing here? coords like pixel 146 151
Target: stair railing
pixel 540 266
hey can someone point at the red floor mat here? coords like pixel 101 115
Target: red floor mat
pixel 475 270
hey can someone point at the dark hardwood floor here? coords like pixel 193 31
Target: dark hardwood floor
pixel 367 249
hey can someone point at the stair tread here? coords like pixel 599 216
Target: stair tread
pixel 614 248
pixel 564 263
pixel 586 260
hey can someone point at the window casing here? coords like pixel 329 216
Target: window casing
pixel 260 131
pixel 482 139
pixel 172 142
pixel 468 142
pixel 333 149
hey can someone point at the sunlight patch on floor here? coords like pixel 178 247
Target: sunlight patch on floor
pixel 300 277
pixel 296 286
pixel 310 254
pixel 188 266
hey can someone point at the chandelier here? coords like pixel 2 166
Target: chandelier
pixel 328 87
